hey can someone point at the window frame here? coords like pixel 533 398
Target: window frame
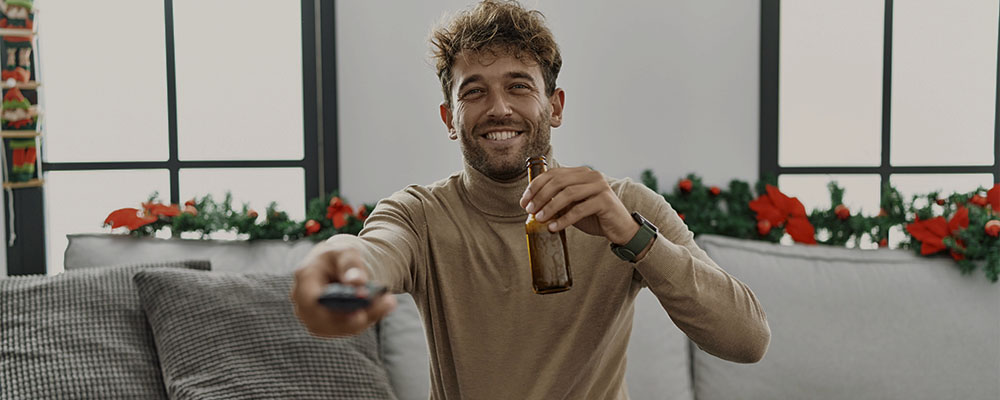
pixel 320 152
pixel 769 102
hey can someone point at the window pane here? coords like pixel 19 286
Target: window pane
pixel 944 66
pixel 244 102
pixel 79 201
pixel 105 87
pixel 911 184
pixel 830 94
pixel 257 186
pixel 861 192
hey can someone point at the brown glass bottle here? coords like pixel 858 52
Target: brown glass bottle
pixel 547 252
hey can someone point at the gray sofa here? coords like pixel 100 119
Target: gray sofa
pixel 846 324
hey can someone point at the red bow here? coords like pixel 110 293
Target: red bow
pixel 338 212
pixel 778 209
pixel 931 232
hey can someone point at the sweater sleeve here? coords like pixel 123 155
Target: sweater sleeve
pixel 717 312
pixel 390 242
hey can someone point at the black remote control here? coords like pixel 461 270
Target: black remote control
pixel 346 298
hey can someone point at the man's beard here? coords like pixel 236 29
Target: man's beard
pixel 505 167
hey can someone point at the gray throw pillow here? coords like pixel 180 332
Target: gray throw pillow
pixel 229 335
pixel 81 334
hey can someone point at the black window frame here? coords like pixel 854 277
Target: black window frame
pixel 320 150
pixel 769 76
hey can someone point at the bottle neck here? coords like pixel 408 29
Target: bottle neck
pixel 536 169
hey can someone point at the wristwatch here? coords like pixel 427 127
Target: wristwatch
pixel 645 235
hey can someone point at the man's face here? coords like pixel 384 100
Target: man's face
pixel 500 112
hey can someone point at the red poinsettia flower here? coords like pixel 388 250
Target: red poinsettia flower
pixel 842 212
pixel 780 210
pixel 931 232
pixel 161 210
pixel 714 190
pixel 312 227
pixel 362 212
pixel 338 212
pixel 129 218
pixel 685 185
pixel 993 198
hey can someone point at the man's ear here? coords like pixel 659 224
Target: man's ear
pixel 557 101
pixel 446 118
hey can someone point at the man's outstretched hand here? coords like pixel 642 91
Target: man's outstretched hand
pixel 325 264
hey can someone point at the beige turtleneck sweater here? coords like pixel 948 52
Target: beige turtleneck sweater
pixel 458 246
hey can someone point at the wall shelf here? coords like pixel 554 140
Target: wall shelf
pixel 21 185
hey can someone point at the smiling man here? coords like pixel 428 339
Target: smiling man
pixel 458 245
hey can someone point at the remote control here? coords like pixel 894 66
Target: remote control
pixel 347 298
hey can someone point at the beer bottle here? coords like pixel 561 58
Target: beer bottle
pixel 547 253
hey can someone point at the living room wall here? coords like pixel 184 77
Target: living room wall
pixel 667 85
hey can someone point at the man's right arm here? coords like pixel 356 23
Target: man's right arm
pixel 386 251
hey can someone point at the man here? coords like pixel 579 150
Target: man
pixel 458 245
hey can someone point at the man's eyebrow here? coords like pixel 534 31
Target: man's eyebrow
pixel 469 80
pixel 520 75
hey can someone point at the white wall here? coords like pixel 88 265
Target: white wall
pixel 668 85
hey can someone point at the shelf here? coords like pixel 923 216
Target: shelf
pixel 22 134
pixel 30 85
pixel 16 32
pixel 21 185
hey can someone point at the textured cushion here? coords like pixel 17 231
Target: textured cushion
pixel 859 324
pixel 227 335
pixel 659 354
pixel 404 350
pixel 81 334
pixel 94 250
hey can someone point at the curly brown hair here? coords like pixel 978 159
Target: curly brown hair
pixel 496 25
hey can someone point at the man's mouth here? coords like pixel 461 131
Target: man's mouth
pixel 501 135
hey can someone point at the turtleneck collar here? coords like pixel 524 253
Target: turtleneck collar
pixel 498 199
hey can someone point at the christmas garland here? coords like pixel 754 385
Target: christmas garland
pixel 326 216
pixel 967 225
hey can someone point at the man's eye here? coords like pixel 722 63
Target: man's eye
pixel 472 92
pixel 520 86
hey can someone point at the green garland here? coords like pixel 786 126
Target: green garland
pixel 206 215
pixel 718 211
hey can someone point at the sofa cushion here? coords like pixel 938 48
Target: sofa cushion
pixel 859 324
pixel 93 250
pixel 81 334
pixel 404 350
pixel 236 336
pixel 659 354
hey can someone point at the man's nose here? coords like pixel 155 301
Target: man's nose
pixel 499 106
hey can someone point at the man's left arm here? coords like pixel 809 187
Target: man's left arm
pixel 717 311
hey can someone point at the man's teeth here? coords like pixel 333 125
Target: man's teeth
pixel 501 135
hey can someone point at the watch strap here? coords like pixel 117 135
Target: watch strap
pixel 646 233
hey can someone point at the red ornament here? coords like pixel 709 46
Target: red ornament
pixel 979 200
pixel 992 228
pixel 190 210
pixel 940 202
pixel 685 185
pixel 883 243
pixel 714 190
pixel 189 203
pixel 252 214
pixel 842 212
pixel 681 216
pixel 763 227
pixel 312 227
